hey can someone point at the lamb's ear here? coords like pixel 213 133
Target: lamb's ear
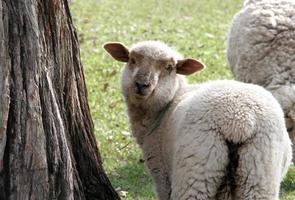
pixel 188 66
pixel 117 50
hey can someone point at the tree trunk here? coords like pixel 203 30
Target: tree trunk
pixel 47 145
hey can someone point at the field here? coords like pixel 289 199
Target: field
pixel 195 28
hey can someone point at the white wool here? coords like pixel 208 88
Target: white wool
pixel 261 49
pixel 190 152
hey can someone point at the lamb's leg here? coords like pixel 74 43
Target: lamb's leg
pixel 199 166
pixel 157 167
pixel 290 122
pixel 162 182
pixel 262 162
pixel 291 130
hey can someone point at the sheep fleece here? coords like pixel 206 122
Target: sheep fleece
pixel 218 140
pixel 236 112
pixel 261 50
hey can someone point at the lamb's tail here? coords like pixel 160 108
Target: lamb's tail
pixel 239 128
pixel 237 119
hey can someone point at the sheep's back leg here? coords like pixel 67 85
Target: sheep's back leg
pixel 199 165
pixel 262 163
pixel 290 122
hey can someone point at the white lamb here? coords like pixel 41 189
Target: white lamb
pixel 261 50
pixel 218 140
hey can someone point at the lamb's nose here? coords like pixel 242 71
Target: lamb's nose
pixel 141 87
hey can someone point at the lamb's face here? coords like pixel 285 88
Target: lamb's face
pixel 144 76
pixel 151 70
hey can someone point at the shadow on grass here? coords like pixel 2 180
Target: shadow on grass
pixel 132 181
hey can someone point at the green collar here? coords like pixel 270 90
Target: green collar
pixel 159 118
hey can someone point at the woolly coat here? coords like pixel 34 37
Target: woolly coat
pixel 219 140
pixel 191 144
pixel 261 50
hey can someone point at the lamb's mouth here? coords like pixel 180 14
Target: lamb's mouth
pixel 143 96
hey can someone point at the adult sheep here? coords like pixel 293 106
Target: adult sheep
pixel 261 50
pixel 217 140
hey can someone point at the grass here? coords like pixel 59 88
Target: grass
pixel 195 28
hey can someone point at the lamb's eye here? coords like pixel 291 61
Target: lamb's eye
pixel 169 67
pixel 132 61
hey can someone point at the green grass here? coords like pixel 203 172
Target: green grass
pixel 195 28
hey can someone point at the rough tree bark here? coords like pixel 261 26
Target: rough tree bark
pixel 47 145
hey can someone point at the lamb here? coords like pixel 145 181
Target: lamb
pixel 214 141
pixel 261 50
